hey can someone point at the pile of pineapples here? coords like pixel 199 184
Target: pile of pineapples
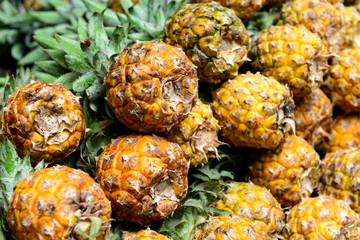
pixel 170 119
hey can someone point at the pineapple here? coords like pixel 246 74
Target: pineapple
pixel 253 111
pixel 244 9
pixel 313 114
pixel 350 24
pixel 342 83
pixel 320 218
pixel 151 86
pixel 213 38
pixel 197 134
pixel 58 203
pixel 146 234
pixel 341 176
pixel 34 4
pixel 44 120
pixel 228 227
pixel 290 171
pixel 319 16
pixel 255 203
pixel 343 133
pixel 292 55
pixel 117 7
pixel 145 177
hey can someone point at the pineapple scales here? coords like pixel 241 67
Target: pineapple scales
pixel 156 123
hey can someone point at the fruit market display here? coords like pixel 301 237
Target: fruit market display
pixel 180 119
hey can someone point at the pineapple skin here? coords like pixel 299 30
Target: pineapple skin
pixel 213 38
pixel 342 83
pixel 340 176
pixel 247 200
pixel 145 234
pixel 313 114
pixel 350 18
pixel 228 227
pixel 44 120
pixel 145 177
pixel 151 86
pixel 290 171
pixel 197 134
pixel 292 55
pixel 343 133
pixel 318 16
pixel 320 218
pixel 253 111
pixel 53 202
pixel 244 9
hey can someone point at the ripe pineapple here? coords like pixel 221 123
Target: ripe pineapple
pixel 244 9
pixel 341 176
pixel 44 120
pixel 350 23
pixel 313 114
pixel 320 218
pixel 253 110
pixel 57 202
pixel 145 177
pixel 292 55
pixel 255 203
pixel 197 134
pixel 290 171
pixel 344 133
pixel 319 16
pixel 213 38
pixel 146 234
pixel 151 86
pixel 116 6
pixel 228 227
pixel 342 83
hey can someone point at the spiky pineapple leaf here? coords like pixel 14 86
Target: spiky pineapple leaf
pixel 210 182
pixel 13 169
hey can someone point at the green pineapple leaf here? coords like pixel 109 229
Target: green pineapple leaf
pixel 13 169
pixel 210 181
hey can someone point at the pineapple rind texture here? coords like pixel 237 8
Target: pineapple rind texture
pixel 144 177
pixel 313 114
pixel 253 111
pixel 53 203
pixel 145 234
pixel 244 9
pixel 255 203
pixel 342 83
pixel 344 133
pixel 320 218
pixel 318 16
pixel 151 86
pixel 197 134
pixel 292 55
pixel 213 38
pixel 341 176
pixel 228 227
pixel 44 120
pixel 290 171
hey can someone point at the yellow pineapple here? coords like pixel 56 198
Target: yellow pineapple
pixel 244 9
pixel 44 120
pixel 151 86
pixel 197 134
pixel 321 218
pixel 292 55
pixel 144 177
pixel 290 171
pixel 56 202
pixel 255 203
pixel 253 111
pixel 213 38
